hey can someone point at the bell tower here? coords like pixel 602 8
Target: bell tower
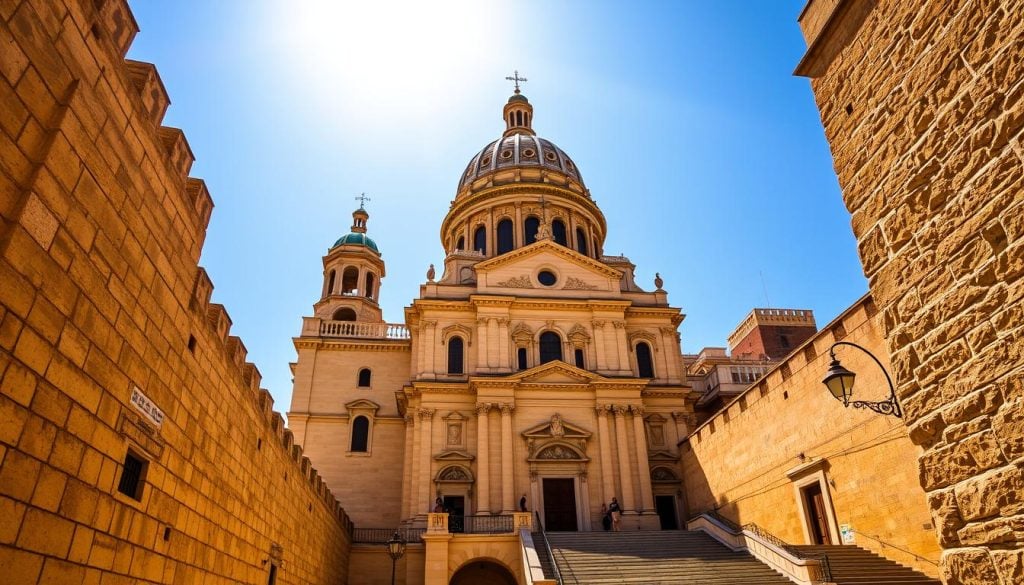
pixel 353 269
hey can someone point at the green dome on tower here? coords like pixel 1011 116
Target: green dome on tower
pixel 356 239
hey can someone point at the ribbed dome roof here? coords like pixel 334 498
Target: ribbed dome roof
pixel 519 150
pixel 357 240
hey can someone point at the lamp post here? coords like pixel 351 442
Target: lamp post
pixel 396 548
pixel 839 382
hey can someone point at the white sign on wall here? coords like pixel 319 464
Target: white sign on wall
pixel 846 533
pixel 143 404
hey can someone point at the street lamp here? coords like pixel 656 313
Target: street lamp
pixel 839 382
pixel 396 548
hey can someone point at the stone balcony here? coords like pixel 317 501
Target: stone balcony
pixel 314 327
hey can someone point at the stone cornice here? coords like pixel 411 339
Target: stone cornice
pixel 354 344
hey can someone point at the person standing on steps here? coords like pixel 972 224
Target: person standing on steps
pixel 606 518
pixel 616 511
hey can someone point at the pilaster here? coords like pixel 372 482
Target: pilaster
pixel 628 500
pixel 646 499
pixel 604 442
pixel 508 504
pixel 483 463
pixel 426 427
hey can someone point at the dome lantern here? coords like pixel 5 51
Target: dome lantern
pixel 518 113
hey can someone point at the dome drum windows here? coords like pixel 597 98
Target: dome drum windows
pixel 480 240
pixel 531 225
pixel 558 233
pixel 506 237
pixel 550 347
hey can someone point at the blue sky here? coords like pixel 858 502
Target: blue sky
pixel 704 152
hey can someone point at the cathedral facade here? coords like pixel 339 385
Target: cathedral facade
pixel 532 373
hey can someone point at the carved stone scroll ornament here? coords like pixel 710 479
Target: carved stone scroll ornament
pixel 573 283
pixel 662 474
pixel 453 474
pixel 516 282
pixel 557 452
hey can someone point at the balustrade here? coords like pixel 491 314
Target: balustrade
pixel 366 330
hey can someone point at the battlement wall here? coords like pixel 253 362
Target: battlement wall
pixel 111 352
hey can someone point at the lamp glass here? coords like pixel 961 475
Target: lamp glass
pixel 839 382
pixel 396 547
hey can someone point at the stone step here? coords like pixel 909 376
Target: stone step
pixel 853 565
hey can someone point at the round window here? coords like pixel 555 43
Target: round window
pixel 547 278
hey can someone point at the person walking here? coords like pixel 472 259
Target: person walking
pixel 616 512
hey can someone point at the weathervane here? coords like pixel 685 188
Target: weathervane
pixel 362 199
pixel 516 79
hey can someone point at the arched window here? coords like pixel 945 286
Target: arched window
pixel 360 434
pixel 364 378
pixel 330 283
pixel 349 280
pixel 461 244
pixel 344 314
pixel 581 241
pixel 480 240
pixel 521 358
pixel 455 357
pixel 369 285
pixel 550 347
pixel 530 227
pixel 558 232
pixel 506 240
pixel 519 118
pixel 644 365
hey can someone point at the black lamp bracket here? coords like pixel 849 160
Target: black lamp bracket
pixel 890 406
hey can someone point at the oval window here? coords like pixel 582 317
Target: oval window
pixel 547 278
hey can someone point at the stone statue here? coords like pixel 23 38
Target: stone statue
pixel 657 280
pixel 430 273
pixel 556 426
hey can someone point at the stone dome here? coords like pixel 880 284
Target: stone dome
pixel 524 151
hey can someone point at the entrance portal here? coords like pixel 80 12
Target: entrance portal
pixel 814 504
pixel 666 506
pixel 477 572
pixel 456 508
pixel 559 504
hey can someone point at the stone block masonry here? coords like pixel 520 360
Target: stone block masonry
pixel 135 442
pixel 922 106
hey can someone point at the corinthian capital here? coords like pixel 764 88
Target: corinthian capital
pixel 619 324
pixel 601 409
pixel 482 408
pixel 426 413
pixel 620 409
pixel 506 408
pixel 638 410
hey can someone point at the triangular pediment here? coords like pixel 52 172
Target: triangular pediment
pixel 555 372
pixel 362 404
pixel 662 456
pixel 454 455
pixel 556 428
pixel 573 271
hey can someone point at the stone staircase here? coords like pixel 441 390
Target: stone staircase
pixel 852 565
pixel 676 557
pixel 542 554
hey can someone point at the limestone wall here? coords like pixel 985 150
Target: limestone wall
pixel 101 299
pixel 752 459
pixel 921 104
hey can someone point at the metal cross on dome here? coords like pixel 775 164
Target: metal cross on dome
pixel 362 199
pixel 516 79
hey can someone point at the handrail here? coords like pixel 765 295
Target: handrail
pixel 891 545
pixel 825 568
pixel 547 547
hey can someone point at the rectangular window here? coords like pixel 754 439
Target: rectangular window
pixel 132 476
pixel 521 357
pixel 579 359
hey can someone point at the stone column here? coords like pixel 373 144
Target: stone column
pixel 604 438
pixel 412 504
pixel 625 470
pixel 483 462
pixel 493 361
pixel 426 498
pixel 517 232
pixel 504 357
pixel 508 497
pixel 481 343
pixel 407 471
pixel 623 345
pixel 679 429
pixel 430 347
pixel 643 468
pixel 601 361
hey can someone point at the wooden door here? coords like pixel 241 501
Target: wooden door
pixel 559 504
pixel 814 502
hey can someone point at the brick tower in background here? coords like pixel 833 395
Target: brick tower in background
pixel 921 104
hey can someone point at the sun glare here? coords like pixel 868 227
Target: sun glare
pixel 367 57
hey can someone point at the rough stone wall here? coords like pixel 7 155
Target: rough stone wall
pixel 921 104
pixel 867 459
pixel 100 293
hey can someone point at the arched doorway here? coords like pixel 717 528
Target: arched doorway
pixel 482 572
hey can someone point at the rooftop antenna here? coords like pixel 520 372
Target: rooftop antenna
pixel 516 79
pixel 764 287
